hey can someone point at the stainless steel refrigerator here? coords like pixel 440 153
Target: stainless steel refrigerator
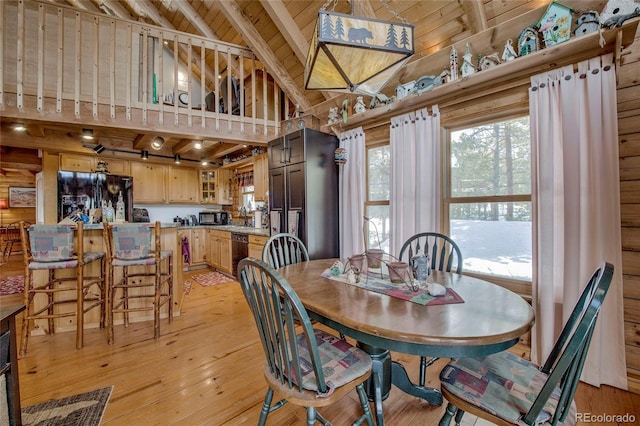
pixel 303 190
pixel 85 191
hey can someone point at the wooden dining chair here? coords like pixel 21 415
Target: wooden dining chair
pixel 284 249
pixel 305 366
pixel 51 248
pixel 146 287
pixel 11 238
pixel 507 389
pixel 445 255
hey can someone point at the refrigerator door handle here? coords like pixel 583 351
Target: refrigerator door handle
pixel 282 159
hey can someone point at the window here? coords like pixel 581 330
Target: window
pixel 488 201
pixel 377 202
pixel 248 201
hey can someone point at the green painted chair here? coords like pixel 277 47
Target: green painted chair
pixel 305 366
pixel 444 255
pixel 284 249
pixel 506 389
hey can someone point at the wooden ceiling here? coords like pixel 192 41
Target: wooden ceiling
pixel 278 32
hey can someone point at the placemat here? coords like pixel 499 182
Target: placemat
pixel 382 285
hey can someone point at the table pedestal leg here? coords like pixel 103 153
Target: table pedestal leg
pixel 400 379
pixel 379 384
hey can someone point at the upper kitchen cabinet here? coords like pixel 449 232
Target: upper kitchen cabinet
pixel 183 185
pixel 261 177
pixel 77 163
pixel 117 166
pixel 148 183
pixel 215 187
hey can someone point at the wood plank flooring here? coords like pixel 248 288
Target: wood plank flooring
pixel 206 370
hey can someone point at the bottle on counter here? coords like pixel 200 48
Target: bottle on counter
pixel 120 209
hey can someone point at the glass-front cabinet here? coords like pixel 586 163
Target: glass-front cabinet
pixel 208 184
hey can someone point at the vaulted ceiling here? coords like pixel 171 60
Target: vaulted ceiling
pixel 278 32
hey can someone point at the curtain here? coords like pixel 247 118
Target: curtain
pixel 415 175
pixel 352 181
pixel 576 208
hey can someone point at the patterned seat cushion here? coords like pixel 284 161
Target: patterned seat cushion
pixel 51 243
pixel 341 361
pixel 502 384
pixel 131 241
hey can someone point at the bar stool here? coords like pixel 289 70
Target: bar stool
pixel 149 286
pixel 51 248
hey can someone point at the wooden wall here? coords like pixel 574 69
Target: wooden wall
pixel 629 143
pixel 21 173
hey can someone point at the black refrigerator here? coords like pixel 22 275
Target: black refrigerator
pixel 81 192
pixel 303 190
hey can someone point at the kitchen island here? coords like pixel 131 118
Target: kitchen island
pixel 94 242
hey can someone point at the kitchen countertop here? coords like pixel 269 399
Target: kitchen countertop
pixel 249 230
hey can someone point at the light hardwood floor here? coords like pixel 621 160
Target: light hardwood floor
pixel 206 370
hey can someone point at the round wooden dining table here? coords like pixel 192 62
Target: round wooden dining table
pixel 490 319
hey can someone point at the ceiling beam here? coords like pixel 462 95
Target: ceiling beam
pixel 362 8
pixel 185 145
pixel 84 5
pixel 228 149
pixel 261 49
pixel 142 141
pixel 114 8
pixel 475 12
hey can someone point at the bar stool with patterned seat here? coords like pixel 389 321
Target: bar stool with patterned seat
pixel 132 245
pixel 51 248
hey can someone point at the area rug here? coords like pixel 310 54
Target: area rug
pixel 211 278
pixel 11 285
pixel 82 409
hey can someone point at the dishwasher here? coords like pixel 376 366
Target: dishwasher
pixel 239 249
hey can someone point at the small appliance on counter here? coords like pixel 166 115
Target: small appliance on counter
pixel 210 217
pixel 140 215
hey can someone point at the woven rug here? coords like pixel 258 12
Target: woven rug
pixel 11 285
pixel 82 409
pixel 211 278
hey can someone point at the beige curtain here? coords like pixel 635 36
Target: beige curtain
pixel 576 208
pixel 352 181
pixel 415 175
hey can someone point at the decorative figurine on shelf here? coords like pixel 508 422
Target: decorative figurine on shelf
pixel 488 61
pixel 453 64
pixel 617 11
pixel 406 89
pixel 587 23
pixel 555 24
pixel 445 76
pixel 333 115
pixel 528 41
pixel 467 67
pixel 509 53
pixel 427 83
pixel 359 106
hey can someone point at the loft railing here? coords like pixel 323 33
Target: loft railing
pixel 67 65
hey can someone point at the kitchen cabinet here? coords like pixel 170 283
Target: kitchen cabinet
pixel 77 163
pixel 256 244
pixel 117 166
pixel 148 183
pixel 215 187
pixel 183 185
pixel 198 245
pixel 260 177
pixel 219 244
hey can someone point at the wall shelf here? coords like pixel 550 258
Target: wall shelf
pixel 570 52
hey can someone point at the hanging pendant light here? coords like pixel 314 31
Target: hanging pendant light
pixel 356 54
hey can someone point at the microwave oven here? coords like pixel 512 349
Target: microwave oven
pixel 214 218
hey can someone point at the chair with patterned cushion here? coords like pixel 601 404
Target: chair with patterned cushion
pixel 51 248
pixel 305 366
pixel 444 255
pixel 284 249
pixel 144 279
pixel 507 389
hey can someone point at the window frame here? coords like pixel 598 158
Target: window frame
pixel 522 287
pixel 368 203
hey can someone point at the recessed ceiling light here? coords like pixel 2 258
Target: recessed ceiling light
pixel 87 134
pixel 157 143
pixel 197 145
pixel 18 127
pixel 204 162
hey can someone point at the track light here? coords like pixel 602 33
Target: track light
pixel 98 149
pixel 176 159
pixel 157 143
pixel 144 154
pixel 87 134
